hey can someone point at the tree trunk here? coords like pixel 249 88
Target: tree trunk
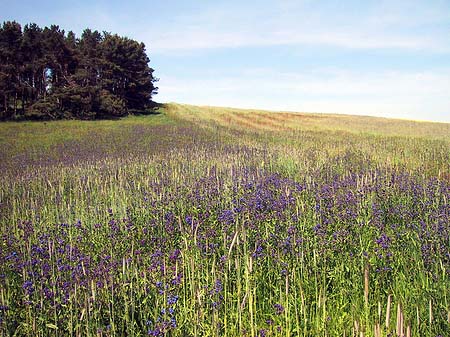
pixel 15 104
pixel 23 102
pixel 44 83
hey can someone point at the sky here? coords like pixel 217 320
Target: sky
pixel 379 58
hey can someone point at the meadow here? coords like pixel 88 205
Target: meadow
pixel 206 221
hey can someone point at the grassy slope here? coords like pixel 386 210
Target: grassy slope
pixel 65 171
pixel 29 134
pixel 389 142
pixel 297 145
pixel 289 121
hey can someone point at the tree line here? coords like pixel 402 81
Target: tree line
pixel 48 74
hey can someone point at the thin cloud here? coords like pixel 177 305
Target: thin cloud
pixel 202 39
pixel 410 26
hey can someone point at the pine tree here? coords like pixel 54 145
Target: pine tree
pixel 34 64
pixel 129 77
pixel 46 74
pixel 10 64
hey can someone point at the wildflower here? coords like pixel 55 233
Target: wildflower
pixel 156 332
pixel 279 309
pixel 28 287
pixel 218 286
pixel 171 300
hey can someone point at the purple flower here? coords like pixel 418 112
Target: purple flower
pixel 175 255
pixel 226 217
pixel 218 287
pixel 279 309
pixel 48 293
pixel 383 241
pixel 28 287
pixel 171 299
pixel 155 332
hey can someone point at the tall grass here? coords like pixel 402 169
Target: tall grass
pixel 189 224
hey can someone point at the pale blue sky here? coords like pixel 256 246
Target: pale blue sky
pixel 381 58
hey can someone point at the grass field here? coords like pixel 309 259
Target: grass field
pixel 206 221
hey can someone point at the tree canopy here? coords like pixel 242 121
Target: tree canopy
pixel 48 74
